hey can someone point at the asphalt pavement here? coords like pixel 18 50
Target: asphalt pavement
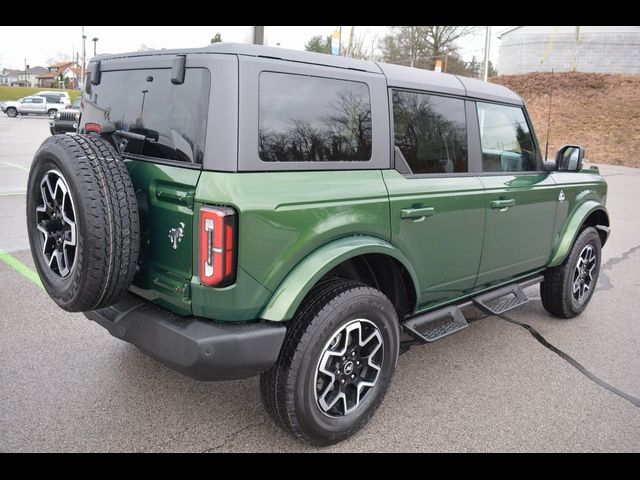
pixel 67 385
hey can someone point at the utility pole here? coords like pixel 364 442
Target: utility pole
pixel 258 35
pixel 25 72
pixel 487 46
pixel 575 56
pixel 350 44
pixel 84 53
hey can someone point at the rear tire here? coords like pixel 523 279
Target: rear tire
pixel 568 288
pixel 322 359
pixel 11 112
pixel 82 220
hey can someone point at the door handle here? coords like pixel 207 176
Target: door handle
pixel 417 214
pixel 503 204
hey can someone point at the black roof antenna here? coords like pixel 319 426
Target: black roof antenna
pixel 546 150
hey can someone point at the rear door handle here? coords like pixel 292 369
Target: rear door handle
pixel 503 204
pixel 417 214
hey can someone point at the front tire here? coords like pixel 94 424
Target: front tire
pixel 52 112
pixel 568 288
pixel 11 112
pixel 336 364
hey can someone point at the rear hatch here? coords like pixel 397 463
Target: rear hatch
pixel 160 130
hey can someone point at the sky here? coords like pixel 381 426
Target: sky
pixel 39 44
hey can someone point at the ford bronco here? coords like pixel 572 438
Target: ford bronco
pixel 241 210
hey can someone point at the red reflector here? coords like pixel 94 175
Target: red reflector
pixel 216 259
pixel 93 127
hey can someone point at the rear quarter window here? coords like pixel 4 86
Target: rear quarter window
pixel 313 119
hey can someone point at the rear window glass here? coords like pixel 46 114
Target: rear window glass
pixel 313 119
pixel 173 118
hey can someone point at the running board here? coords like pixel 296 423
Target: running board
pixel 503 299
pixel 431 326
pixel 435 325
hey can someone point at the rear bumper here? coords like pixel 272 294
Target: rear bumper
pixel 199 348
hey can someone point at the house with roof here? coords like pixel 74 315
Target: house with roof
pixel 10 77
pixel 61 75
pixel 598 49
pixel 20 78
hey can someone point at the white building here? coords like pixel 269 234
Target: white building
pixel 566 48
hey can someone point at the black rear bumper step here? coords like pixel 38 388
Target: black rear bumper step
pixel 196 347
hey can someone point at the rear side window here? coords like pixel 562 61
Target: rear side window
pixel 507 143
pixel 431 132
pixel 172 117
pixel 313 119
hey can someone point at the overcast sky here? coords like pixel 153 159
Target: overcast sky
pixel 39 44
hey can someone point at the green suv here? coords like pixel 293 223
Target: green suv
pixel 242 210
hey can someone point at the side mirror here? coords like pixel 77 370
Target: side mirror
pixel 569 158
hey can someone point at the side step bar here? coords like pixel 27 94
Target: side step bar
pixel 435 325
pixel 431 326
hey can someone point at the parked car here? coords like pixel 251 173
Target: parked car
pixel 62 94
pixel 33 105
pixel 55 101
pixel 66 120
pixel 243 210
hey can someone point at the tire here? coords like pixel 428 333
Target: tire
pixel 99 209
pixel 294 390
pixel 51 112
pixel 558 289
pixel 11 112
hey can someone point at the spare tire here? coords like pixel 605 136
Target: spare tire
pixel 82 220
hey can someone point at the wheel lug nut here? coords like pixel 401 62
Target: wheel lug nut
pixel 353 354
pixel 353 376
pixel 358 362
pixel 342 381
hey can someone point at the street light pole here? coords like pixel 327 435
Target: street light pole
pixel 94 40
pixel 487 46
pixel 84 53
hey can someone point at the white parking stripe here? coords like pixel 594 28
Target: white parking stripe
pixel 16 166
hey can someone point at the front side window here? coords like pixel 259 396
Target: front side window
pixel 313 119
pixel 173 118
pixel 507 142
pixel 38 100
pixel 431 132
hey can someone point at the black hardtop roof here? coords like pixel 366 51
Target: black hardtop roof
pixel 396 75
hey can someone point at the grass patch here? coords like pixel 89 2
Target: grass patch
pixel 14 93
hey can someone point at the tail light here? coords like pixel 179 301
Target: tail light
pixel 93 127
pixel 217 258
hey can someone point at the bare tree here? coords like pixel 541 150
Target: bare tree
pixel 360 50
pixel 420 46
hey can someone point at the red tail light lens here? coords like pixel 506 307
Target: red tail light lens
pixel 93 127
pixel 217 248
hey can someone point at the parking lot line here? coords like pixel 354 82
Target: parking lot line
pixel 16 166
pixel 20 267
